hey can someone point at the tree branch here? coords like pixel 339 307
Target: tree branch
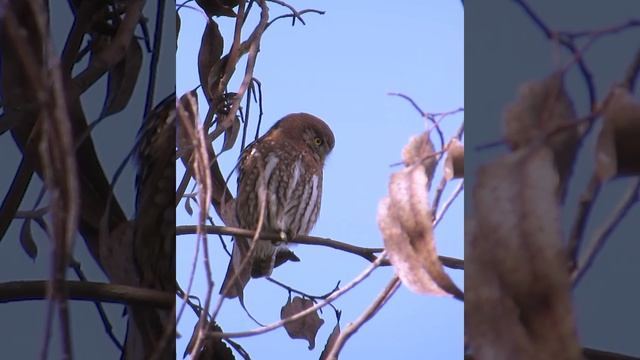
pixel 368 254
pixel 14 291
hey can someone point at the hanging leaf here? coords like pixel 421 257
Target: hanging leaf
pixel 618 146
pixel 187 206
pixel 211 46
pixel 218 7
pixel 304 328
pixel 404 219
pixel 122 79
pixel 454 164
pixel 420 150
pixel 519 265
pixel 231 134
pixel 542 108
pixel 26 240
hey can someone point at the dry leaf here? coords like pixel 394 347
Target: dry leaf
pixel 543 107
pixel 218 7
pixel 420 150
pixel 404 219
pixel 303 328
pixel 231 134
pixel 618 146
pixel 122 79
pixel 26 240
pixel 454 164
pixel 211 46
pixel 187 206
pixel 517 263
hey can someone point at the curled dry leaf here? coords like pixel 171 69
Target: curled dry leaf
pixel 516 260
pixel 404 219
pixel 618 142
pixel 218 7
pixel 420 150
pixel 454 164
pixel 541 110
pixel 122 79
pixel 26 240
pixel 187 206
pixel 231 134
pixel 330 341
pixel 209 55
pixel 305 327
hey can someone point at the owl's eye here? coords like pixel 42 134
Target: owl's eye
pixel 318 141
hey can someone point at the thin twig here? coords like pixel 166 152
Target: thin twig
pixel 424 115
pixel 601 236
pixel 358 279
pixel 369 254
pixel 369 313
pixel 585 204
pixel 448 203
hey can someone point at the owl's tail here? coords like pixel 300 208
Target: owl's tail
pixel 236 277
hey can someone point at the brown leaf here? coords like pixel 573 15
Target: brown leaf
pixel 211 46
pixel 187 206
pixel 231 134
pixel 420 150
pixel 404 218
pixel 618 146
pixel 541 108
pixel 303 328
pixel 122 79
pixel 330 341
pixel 518 301
pixel 26 240
pixel 218 7
pixel 454 164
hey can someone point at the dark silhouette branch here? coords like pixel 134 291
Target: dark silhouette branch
pixel 14 291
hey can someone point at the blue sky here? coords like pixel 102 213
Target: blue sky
pixel 340 67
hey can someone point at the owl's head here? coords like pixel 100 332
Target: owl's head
pixel 310 130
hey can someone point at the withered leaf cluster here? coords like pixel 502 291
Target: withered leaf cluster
pixel 405 219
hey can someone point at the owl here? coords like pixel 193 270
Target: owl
pixel 280 176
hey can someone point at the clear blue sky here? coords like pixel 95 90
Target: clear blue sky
pixel 340 67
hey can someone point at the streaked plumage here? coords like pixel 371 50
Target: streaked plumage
pixel 287 163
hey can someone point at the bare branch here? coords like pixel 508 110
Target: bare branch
pixel 15 291
pixel 369 313
pixel 358 279
pixel 601 236
pixel 370 254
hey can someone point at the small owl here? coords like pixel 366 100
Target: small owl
pixel 283 168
